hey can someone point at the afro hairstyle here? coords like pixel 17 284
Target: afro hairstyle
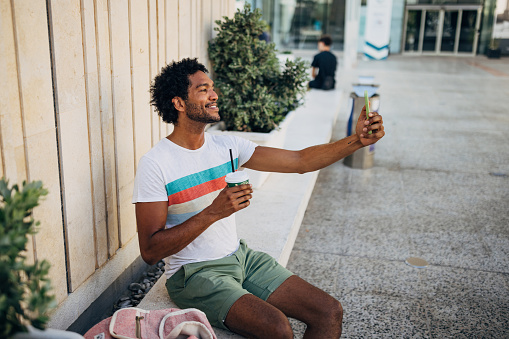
pixel 173 81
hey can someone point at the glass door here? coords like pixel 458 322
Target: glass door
pixel 431 29
pixel 469 26
pixel 413 31
pixel 449 30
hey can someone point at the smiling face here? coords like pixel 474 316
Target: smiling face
pixel 201 104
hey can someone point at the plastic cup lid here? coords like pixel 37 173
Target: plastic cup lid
pixel 238 176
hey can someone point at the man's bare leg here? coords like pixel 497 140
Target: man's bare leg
pixel 296 298
pixel 252 317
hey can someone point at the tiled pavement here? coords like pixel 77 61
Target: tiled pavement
pixel 439 190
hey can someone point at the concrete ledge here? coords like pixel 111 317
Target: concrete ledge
pixel 272 221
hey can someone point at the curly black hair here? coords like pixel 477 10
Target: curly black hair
pixel 173 81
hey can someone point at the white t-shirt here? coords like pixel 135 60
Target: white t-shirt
pixel 190 180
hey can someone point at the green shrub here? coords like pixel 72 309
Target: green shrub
pixel 24 288
pixel 255 92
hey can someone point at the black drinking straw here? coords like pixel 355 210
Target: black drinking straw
pixel 231 159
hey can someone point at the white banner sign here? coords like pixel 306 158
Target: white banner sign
pixel 378 29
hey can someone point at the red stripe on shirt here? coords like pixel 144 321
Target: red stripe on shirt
pixel 197 191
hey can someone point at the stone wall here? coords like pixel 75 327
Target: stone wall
pixel 75 113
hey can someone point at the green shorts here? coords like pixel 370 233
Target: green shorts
pixel 214 286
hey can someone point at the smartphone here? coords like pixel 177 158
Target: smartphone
pixel 366 100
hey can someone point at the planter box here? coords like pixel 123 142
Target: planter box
pixel 275 138
pixel 494 53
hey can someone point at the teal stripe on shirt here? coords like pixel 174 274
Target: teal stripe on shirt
pixel 196 179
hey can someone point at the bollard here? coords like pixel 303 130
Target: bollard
pixel 363 158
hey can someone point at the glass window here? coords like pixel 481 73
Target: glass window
pixel 299 24
pixel 444 2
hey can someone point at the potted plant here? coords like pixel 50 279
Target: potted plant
pixel 494 51
pixel 256 93
pixel 24 288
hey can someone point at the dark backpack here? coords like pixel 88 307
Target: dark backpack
pixel 328 83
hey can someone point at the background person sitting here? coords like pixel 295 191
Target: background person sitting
pixel 324 66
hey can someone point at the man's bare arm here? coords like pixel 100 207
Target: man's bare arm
pixel 157 242
pixel 317 157
pixel 310 159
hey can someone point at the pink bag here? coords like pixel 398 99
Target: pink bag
pixel 136 323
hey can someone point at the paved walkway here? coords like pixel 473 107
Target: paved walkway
pixel 439 190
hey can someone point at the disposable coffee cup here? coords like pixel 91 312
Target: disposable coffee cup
pixel 237 178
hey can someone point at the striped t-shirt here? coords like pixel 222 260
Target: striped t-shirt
pixel 190 180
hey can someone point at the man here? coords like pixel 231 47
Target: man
pixel 185 214
pixel 324 66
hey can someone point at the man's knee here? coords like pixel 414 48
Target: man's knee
pixel 332 312
pixel 282 328
pixel 337 310
pixel 277 326
pixel 253 317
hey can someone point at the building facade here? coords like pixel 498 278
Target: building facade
pixel 75 113
pixel 418 27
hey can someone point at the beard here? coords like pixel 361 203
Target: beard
pixel 198 113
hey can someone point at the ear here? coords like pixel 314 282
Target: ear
pixel 179 104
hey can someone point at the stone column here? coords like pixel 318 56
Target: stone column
pixel 352 18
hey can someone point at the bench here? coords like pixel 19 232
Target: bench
pixel 272 221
